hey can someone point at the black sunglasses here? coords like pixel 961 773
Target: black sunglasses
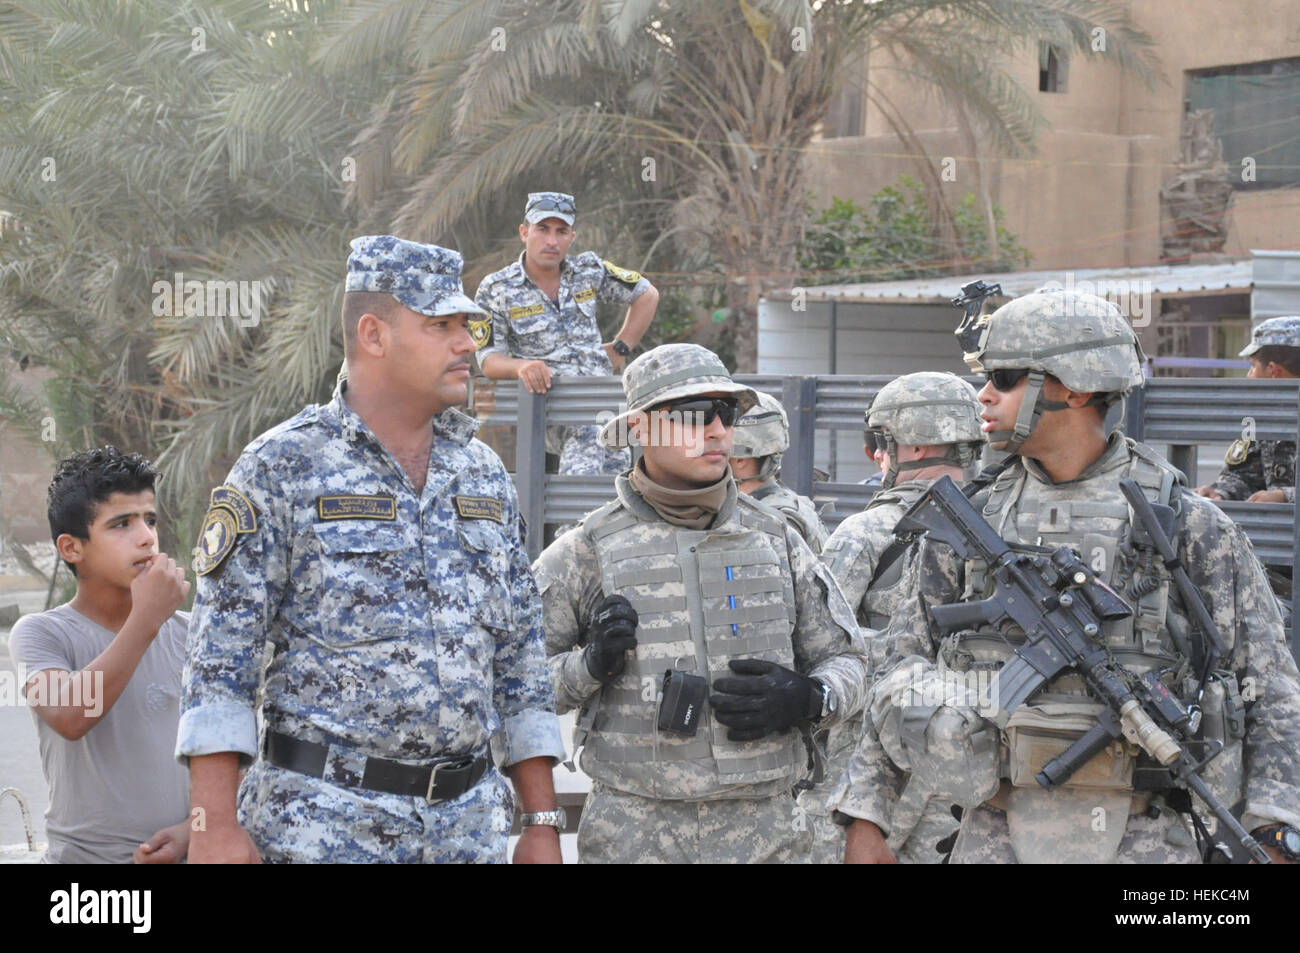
pixel 553 205
pixel 1005 379
pixel 726 409
pixel 875 440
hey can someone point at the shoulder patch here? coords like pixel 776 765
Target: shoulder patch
pixel 1237 453
pixel 481 332
pixel 480 508
pixel 229 516
pixel 628 277
pixel 526 311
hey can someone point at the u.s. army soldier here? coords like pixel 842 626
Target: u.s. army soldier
pixel 699 637
pixel 762 436
pixel 927 426
pixel 369 553
pixel 1055 361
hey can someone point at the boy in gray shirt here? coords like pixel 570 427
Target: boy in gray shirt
pixel 102 673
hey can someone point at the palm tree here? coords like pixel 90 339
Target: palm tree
pixel 719 99
pixel 183 137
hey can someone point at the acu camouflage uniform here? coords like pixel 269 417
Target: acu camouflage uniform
pixel 527 324
pixel 923 409
pixel 1252 704
pixel 763 433
pixel 374 620
pixel 661 797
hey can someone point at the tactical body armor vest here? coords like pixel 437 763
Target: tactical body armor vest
pixel 797 509
pixel 885 594
pixel 703 597
pixel 1095 520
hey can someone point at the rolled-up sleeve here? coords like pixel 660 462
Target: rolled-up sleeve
pixel 230 625
pixel 522 689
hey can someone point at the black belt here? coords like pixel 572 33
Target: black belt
pixel 439 780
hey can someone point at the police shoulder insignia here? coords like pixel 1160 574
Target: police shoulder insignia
pixel 480 508
pixel 481 332
pixel 628 278
pixel 351 507
pixel 229 516
pixel 1237 453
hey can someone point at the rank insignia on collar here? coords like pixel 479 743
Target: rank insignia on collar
pixel 1237 453
pixel 230 515
pixel 480 508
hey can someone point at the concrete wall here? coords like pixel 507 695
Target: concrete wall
pixel 1089 196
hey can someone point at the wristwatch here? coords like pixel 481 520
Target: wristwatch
pixel 1283 838
pixel 557 819
pixel 621 347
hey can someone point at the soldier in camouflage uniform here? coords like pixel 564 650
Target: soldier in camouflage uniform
pixel 761 436
pixel 362 571
pixel 543 322
pixel 1263 471
pixel 926 425
pixel 679 583
pixel 1055 361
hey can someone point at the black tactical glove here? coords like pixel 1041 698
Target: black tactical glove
pixel 613 632
pixel 765 699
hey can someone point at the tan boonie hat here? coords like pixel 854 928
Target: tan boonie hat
pixel 671 372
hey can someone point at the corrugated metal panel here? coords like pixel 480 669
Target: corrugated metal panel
pixel 1270 527
pixel 569 498
pixel 1277 284
pixel 1161 279
pixel 1190 410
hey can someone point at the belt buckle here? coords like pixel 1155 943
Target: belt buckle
pixel 433 780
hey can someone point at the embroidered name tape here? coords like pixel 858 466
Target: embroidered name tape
pixel 347 507
pixel 585 294
pixel 526 310
pixel 480 508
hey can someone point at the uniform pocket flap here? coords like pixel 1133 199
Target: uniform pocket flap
pixel 358 536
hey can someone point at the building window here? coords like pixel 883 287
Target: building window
pixel 1053 63
pixel 1254 109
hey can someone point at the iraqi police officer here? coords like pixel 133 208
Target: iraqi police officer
pixel 698 636
pixel 1263 471
pixel 762 435
pixel 542 322
pixel 362 588
pixel 926 426
pixel 1054 362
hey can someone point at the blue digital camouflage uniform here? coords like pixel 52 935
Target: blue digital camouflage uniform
pixel 383 622
pixel 564 334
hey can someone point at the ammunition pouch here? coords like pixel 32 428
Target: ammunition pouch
pixel 1038 732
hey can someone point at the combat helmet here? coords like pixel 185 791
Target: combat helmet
pixel 926 409
pixel 1078 338
pixel 763 433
